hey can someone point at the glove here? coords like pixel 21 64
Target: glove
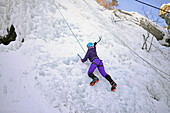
pixel 95 44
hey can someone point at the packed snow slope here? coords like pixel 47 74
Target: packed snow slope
pixel 45 75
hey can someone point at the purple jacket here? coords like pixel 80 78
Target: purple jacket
pixel 91 54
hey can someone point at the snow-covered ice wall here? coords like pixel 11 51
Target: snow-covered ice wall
pixel 44 74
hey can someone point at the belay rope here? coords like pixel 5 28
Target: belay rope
pixel 68 26
pixel 151 6
pixel 72 30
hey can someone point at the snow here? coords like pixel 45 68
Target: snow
pixel 165 4
pixel 45 75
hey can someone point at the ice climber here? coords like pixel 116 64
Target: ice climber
pixel 96 63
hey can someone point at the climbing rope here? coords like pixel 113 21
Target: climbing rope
pixel 153 67
pixel 68 26
pixel 152 6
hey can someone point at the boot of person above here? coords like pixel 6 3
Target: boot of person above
pixel 95 79
pixel 113 84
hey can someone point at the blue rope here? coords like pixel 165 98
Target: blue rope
pixel 69 27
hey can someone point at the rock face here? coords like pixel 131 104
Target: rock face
pixel 11 36
pixel 165 14
pixel 142 21
pixel 152 28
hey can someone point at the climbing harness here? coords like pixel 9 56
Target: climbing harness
pixel 98 65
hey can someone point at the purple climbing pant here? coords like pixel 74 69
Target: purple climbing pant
pixel 100 68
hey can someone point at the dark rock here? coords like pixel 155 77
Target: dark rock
pixel 151 28
pixel 11 36
pixel 145 23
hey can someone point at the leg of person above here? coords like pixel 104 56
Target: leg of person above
pixel 91 75
pixel 104 74
pixel 95 79
pixel 114 85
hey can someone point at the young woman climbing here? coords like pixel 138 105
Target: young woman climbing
pixel 96 63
